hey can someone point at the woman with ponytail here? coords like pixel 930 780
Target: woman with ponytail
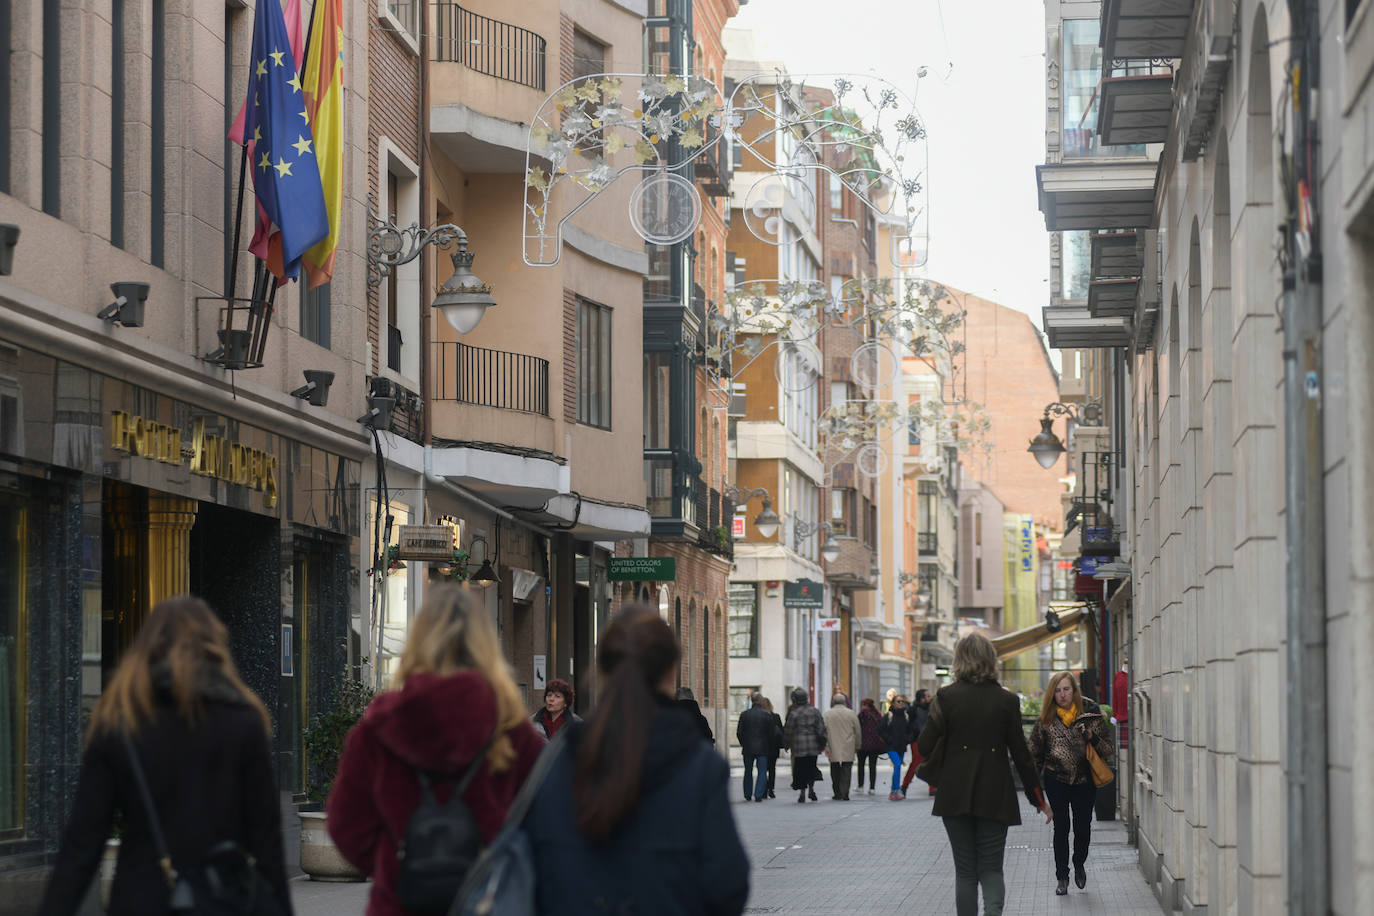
pixel 176 717
pixel 634 815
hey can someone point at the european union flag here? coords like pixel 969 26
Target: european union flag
pixel 286 178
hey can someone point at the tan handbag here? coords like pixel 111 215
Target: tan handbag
pixel 1102 774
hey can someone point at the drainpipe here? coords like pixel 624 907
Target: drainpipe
pixel 1308 840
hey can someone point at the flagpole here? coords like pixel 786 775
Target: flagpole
pixel 309 34
pixel 238 228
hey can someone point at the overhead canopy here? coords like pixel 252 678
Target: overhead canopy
pixel 1070 619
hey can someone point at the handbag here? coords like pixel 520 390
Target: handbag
pixel 1102 774
pixel 501 881
pixel 227 883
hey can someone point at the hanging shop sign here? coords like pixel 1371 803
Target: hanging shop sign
pixel 642 569
pixel 208 455
pixel 803 594
pixel 828 624
pixel 432 543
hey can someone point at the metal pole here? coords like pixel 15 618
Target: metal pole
pixel 1308 841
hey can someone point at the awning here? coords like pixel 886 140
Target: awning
pixel 1112 298
pixel 1100 194
pixel 1073 326
pixel 1070 619
pixel 873 628
pixel 1116 255
pixel 1135 109
pixel 1142 29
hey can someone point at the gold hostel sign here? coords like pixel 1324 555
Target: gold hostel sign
pixel 207 455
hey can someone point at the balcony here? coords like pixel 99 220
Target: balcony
pixel 927 543
pixel 713 166
pixel 1202 77
pixel 1116 255
pixel 1137 100
pixel 1075 327
pixel 718 512
pixel 1097 195
pixel 491 378
pixel 676 502
pixel 489 46
pixel 1142 29
pixel 1113 298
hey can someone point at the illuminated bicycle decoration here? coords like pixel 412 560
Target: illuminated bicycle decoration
pixel 593 130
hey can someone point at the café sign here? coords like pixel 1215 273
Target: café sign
pixel 208 455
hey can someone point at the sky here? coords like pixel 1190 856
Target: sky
pixel 983 102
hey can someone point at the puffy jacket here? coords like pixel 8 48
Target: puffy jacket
pixel 433 723
pixel 1059 750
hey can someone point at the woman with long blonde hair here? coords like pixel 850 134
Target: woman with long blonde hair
pixel 455 712
pixel 177 717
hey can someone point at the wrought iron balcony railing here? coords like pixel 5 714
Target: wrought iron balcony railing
pixel 490 46
pixel 491 378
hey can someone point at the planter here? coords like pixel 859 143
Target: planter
pixel 320 858
pixel 107 871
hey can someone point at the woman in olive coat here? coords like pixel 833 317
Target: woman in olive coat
pixel 978 722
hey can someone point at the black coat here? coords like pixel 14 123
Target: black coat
pixel 210 782
pixel 693 710
pixel 980 724
pixel 677 852
pixel 778 732
pixel 896 730
pixel 758 732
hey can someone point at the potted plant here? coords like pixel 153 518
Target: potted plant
pixel 324 740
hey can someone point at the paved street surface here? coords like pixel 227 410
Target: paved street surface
pixel 871 855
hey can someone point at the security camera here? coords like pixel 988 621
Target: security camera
pixel 127 308
pixel 316 387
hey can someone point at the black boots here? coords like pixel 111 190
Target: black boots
pixel 1080 877
pixel 801 797
pixel 1062 888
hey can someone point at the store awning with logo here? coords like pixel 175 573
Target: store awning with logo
pixel 1071 617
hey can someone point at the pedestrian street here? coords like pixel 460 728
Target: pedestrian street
pixel 871 856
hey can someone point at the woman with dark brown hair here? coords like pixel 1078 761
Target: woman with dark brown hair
pixel 202 742
pixel 634 814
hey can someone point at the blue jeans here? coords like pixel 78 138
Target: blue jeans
pixel 896 758
pixel 758 783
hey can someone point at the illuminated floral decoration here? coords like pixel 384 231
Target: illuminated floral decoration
pixel 594 129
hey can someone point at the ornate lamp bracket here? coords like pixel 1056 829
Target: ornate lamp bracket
pixel 389 246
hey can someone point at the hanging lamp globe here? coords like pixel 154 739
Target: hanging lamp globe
pixel 767 521
pixel 830 550
pixel 1046 446
pixel 463 299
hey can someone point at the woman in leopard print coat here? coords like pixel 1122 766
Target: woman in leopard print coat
pixel 1068 721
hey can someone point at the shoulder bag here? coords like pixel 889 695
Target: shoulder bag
pixel 1101 773
pixel 501 881
pixel 928 770
pixel 227 883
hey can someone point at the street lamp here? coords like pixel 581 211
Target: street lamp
pixel 830 550
pixel 1046 446
pixel 463 299
pixel 767 521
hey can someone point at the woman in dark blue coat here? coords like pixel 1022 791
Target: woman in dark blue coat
pixel 634 815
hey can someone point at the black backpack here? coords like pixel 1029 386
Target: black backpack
pixel 442 841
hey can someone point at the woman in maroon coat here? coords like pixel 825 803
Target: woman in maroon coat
pixel 453 691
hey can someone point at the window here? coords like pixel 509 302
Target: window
pixel 836 197
pixel 1082 73
pixel 399 296
pixel 1075 264
pixel 978 529
pixel 739 702
pixel 657 386
pixel 589 55
pixel 401 16
pixel 978 572
pixel 315 314
pixel 593 364
pixel 744 620
pixel 842 511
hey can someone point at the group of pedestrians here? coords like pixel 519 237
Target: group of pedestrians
pixel 628 812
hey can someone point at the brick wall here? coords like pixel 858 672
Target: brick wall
pixel 565 48
pixel 393 111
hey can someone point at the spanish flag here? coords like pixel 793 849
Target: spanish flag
pixel 322 87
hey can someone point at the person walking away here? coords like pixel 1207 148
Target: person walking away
pixel 634 814
pixel 871 743
pixel 202 742
pixel 804 733
pixel 557 709
pixel 920 712
pixel 1068 722
pixel 843 735
pixel 778 740
pixel 978 722
pixel 755 733
pixel 688 702
pixel 897 734
pixel 455 705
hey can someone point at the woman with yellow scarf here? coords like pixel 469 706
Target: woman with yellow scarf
pixel 1058 745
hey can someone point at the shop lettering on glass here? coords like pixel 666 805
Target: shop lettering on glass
pixel 209 455
pixel 1027 553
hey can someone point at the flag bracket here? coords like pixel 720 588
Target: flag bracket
pixel 240 332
